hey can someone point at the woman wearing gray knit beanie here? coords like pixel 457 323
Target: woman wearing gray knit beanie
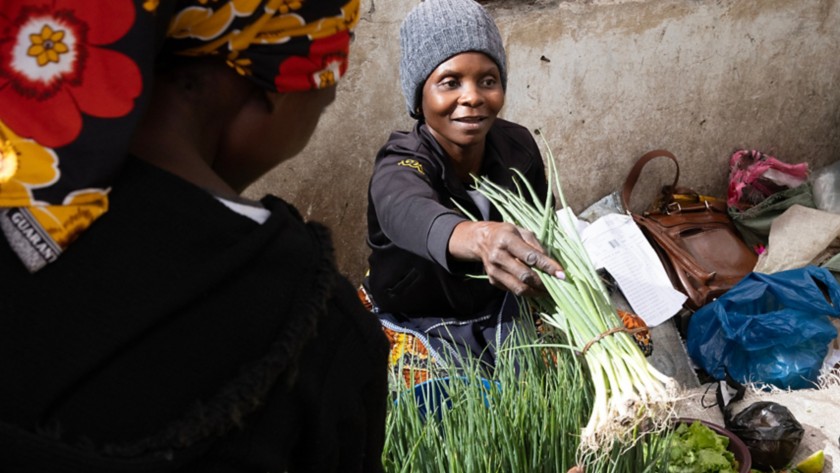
pixel 454 75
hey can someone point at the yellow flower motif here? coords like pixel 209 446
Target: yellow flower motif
pixel 8 160
pixel 36 166
pixel 326 79
pixel 47 45
pixel 242 66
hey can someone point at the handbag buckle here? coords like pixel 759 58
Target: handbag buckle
pixel 674 207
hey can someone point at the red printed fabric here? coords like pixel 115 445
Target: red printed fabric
pixel 75 76
pixel 287 45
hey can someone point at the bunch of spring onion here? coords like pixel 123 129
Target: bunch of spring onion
pixel 629 393
pixel 514 423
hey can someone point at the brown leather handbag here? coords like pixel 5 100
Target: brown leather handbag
pixel 699 246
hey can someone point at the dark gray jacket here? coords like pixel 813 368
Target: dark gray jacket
pixel 411 216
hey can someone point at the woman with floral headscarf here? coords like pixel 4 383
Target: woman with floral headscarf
pixel 154 320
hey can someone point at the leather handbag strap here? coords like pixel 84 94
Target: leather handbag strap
pixel 633 176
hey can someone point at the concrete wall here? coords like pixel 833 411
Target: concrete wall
pixel 606 81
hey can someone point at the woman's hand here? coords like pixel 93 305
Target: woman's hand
pixel 508 253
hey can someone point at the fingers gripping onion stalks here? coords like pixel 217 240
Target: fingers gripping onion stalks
pixel 630 394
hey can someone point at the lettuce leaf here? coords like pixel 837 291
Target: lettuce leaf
pixel 695 448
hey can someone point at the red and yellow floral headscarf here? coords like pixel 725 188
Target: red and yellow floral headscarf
pixel 75 77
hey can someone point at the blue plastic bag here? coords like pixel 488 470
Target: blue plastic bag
pixel 769 328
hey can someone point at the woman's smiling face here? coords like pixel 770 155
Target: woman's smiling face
pixel 461 99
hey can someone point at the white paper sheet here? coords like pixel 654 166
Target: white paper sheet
pixel 616 243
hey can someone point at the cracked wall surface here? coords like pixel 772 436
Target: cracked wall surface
pixel 605 81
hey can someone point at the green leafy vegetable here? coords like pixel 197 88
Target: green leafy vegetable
pixel 696 448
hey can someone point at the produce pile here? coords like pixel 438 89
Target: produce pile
pixel 580 393
pixel 527 418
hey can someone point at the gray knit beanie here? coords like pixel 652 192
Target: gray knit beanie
pixel 436 30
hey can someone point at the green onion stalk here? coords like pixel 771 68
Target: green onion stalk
pixel 631 396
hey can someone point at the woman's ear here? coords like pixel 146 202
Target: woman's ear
pixel 417 113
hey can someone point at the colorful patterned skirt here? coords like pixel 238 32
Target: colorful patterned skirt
pixel 425 346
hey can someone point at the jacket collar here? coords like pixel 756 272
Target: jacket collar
pixel 496 162
pixel 495 165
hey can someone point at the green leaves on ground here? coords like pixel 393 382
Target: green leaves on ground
pixel 695 448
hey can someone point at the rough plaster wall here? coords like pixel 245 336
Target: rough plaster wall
pixel 605 81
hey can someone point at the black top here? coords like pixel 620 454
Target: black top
pixel 411 216
pixel 176 332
